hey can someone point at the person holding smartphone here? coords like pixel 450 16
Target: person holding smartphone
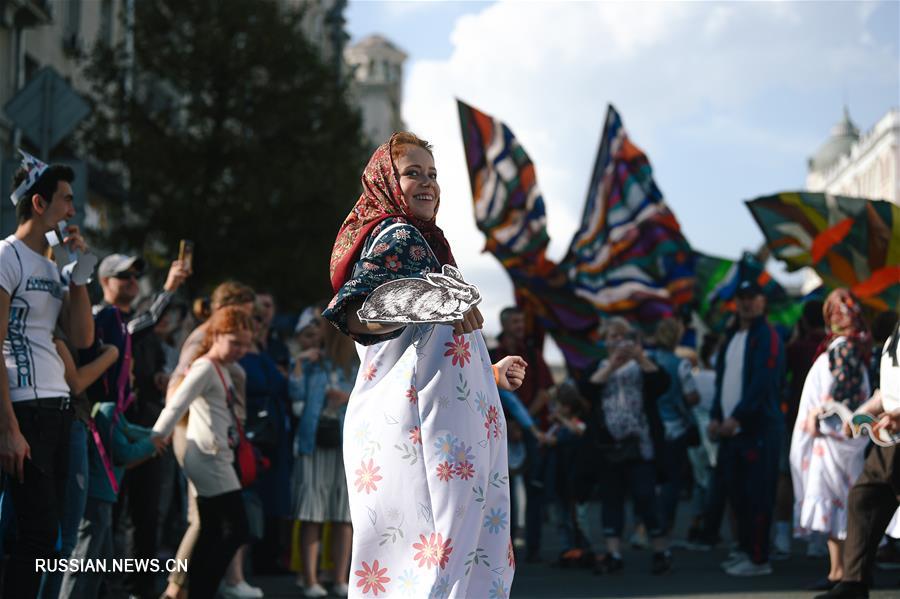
pixel 118 324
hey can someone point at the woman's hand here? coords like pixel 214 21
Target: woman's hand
pixel 336 398
pixel 309 355
pixel 811 423
pixel 511 372
pixel 471 321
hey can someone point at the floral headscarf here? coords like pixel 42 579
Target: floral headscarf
pixel 857 332
pixel 381 198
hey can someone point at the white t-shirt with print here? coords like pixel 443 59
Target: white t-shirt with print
pixel 33 366
pixel 733 376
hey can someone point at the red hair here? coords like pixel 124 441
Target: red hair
pixel 225 321
pixel 403 140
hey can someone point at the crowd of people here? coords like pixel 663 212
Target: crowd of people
pixel 200 432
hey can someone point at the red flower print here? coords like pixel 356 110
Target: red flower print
pixel 445 471
pixel 465 470
pixel 415 435
pixel 370 266
pixel 412 395
pixel 393 263
pixel 380 248
pixel 371 579
pixel 818 449
pixel 433 551
pixel 367 476
pixel 333 303
pixel 459 349
pixel 804 465
pixel 370 371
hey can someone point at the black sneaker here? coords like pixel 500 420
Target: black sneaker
pixel 609 564
pixel 662 563
pixel 846 590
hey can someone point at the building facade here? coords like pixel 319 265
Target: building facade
pixel 863 165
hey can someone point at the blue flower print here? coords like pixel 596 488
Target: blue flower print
pixel 445 447
pixel 495 521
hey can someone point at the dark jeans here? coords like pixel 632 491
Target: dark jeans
pixel 95 542
pixel 223 528
pixel 640 479
pixel 76 499
pixel 870 507
pixel 39 500
pixel 674 461
pixel 747 469
pixel 537 479
pixel 141 488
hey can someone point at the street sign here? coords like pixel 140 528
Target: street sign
pixel 47 109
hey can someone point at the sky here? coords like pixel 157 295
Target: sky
pixel 727 99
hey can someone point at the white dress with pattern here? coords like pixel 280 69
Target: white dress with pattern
pixel 425 456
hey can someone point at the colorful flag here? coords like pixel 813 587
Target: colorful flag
pixel 629 256
pixel 850 242
pixel 509 210
pixel 717 283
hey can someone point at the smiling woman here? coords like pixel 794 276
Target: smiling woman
pixel 425 438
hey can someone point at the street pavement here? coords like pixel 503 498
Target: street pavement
pixel 696 575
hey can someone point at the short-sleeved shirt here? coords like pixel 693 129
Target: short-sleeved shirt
pixel 33 366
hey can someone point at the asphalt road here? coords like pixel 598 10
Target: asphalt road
pixel 695 575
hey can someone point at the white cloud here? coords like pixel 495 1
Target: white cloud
pixel 680 73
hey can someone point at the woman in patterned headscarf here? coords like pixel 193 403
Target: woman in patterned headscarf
pixel 424 434
pixel 825 460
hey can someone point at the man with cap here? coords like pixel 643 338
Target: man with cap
pixel 35 412
pixel 746 419
pixel 116 324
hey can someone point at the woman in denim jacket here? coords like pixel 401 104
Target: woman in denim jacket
pixel 320 485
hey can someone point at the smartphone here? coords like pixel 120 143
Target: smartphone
pixel 186 254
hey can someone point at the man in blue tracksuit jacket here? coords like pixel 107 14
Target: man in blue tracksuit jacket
pixel 746 419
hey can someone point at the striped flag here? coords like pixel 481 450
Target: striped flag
pixel 509 210
pixel 629 257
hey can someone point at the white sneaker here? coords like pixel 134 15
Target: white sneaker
pixel 734 557
pixel 341 590
pixel 241 590
pixel 315 590
pixel 748 568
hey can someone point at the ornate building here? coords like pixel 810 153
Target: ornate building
pixel 862 165
pixel 376 85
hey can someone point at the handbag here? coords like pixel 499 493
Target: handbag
pixel 328 432
pixel 248 462
pixel 262 428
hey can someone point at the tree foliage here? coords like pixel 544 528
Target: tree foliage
pixel 236 136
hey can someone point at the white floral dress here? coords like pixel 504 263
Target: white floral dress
pixel 425 454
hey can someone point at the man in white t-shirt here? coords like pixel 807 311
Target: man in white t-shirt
pixel 874 498
pixel 746 418
pixel 35 417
